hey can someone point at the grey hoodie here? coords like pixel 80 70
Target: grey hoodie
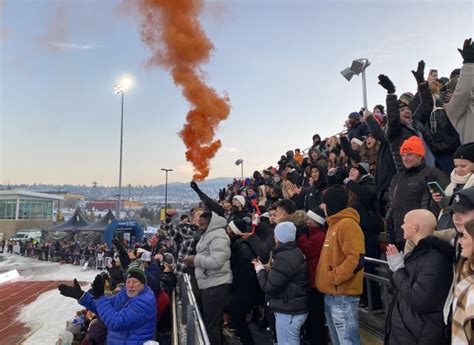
pixel 212 260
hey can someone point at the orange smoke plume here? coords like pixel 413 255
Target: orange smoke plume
pixel 172 31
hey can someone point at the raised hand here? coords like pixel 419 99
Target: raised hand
pixel 98 287
pixel 386 83
pixel 194 186
pixel 71 291
pixel 467 51
pixel 419 73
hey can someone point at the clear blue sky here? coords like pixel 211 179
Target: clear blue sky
pixel 279 61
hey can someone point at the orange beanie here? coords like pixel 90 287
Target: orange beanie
pixel 413 145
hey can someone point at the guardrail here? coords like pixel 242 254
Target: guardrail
pixel 385 282
pixel 188 315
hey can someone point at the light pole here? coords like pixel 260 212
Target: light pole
pixel 241 163
pixel 59 206
pixel 120 89
pixel 356 68
pixel 166 189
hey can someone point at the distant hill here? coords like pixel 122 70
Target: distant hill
pixel 177 192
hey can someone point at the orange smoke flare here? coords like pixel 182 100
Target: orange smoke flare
pixel 172 31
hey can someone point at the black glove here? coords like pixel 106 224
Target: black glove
pixel 386 83
pixel 419 72
pixel 98 287
pixel 467 51
pixel 71 291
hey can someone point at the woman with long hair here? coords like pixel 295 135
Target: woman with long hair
pixel 463 305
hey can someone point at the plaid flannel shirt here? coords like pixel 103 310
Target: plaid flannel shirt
pixel 183 237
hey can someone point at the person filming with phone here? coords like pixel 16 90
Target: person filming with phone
pixel 462 177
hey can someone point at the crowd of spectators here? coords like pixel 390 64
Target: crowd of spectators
pixel 294 237
pixel 397 184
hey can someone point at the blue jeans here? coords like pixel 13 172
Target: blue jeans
pixel 343 319
pixel 288 328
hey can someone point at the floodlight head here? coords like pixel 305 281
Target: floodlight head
pixel 239 161
pixel 357 66
pixel 347 73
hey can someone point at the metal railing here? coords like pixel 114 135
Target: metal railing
pixel 174 315
pixel 385 282
pixel 192 330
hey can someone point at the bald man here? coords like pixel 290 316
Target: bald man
pixel 421 280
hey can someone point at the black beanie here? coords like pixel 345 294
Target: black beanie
pixel 238 226
pixel 465 151
pixel 336 199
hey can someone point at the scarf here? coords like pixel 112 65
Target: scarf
pixel 466 181
pixel 463 307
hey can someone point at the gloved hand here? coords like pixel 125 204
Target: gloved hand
pixel 467 51
pixel 71 291
pixel 395 262
pixel 195 187
pixel 386 83
pixel 418 74
pixel 98 287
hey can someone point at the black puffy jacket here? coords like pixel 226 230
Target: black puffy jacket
pixel 409 191
pixel 286 284
pixel 415 315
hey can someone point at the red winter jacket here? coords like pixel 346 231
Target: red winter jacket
pixel 311 247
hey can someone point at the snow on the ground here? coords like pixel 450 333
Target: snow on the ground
pixel 48 314
pixel 36 270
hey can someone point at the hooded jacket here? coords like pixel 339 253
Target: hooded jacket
pixel 286 284
pixel 416 313
pixel 385 166
pixel 128 320
pixel 212 260
pixel 341 265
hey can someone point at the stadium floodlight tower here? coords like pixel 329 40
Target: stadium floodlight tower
pixel 356 68
pixel 120 88
pixel 241 163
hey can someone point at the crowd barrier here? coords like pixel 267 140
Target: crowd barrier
pixel 188 325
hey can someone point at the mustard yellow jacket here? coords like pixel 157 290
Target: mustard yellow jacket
pixel 341 266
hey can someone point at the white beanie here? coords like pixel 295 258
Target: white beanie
pixel 285 232
pixel 357 141
pixel 240 199
pixel 316 217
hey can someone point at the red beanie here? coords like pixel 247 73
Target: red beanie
pixel 413 145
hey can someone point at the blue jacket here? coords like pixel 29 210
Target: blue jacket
pixel 128 320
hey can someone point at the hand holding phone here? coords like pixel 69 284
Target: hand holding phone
pixel 436 188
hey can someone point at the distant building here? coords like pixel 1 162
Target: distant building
pixel 25 210
pixel 104 205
